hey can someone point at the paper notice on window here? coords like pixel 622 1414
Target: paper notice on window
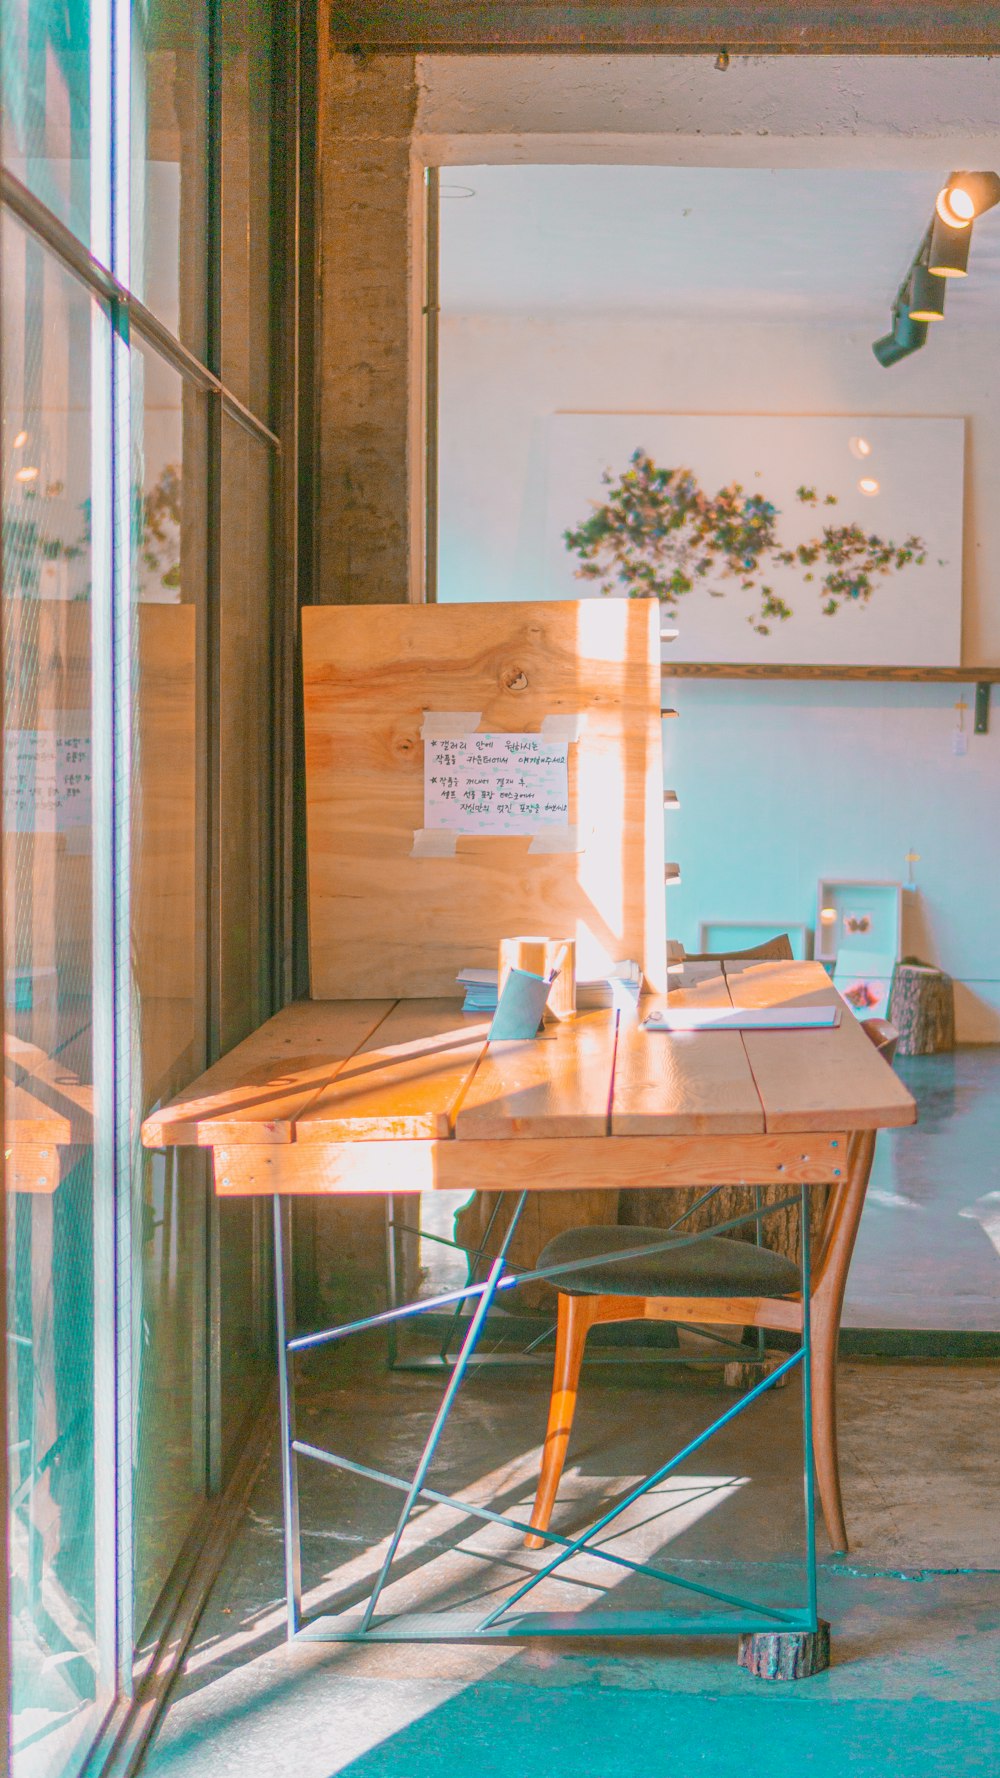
pixel 47 777
pixel 496 784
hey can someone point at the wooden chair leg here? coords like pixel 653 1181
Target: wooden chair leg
pixel 825 1330
pixel 576 1317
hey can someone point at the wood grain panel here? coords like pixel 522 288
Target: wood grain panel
pixel 689 1083
pixel 404 1082
pixel 384 922
pixel 255 1093
pixel 558 1084
pixel 808 1080
pixel 556 1164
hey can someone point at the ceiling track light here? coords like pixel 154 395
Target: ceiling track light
pixel 927 294
pixel 965 196
pixel 942 254
pixel 948 255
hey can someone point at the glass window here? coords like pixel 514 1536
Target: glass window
pixel 57 1283
pixel 246 719
pixel 246 201
pixel 169 206
pixel 168 943
pixel 46 92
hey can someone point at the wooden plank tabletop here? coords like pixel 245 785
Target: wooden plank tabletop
pixel 333 1072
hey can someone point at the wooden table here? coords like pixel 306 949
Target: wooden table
pixel 405 1096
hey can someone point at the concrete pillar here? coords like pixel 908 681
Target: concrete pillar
pixel 364 480
pixel 367 107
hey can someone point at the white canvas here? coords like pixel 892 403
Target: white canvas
pixel 809 470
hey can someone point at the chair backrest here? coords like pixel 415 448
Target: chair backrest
pixel 778 950
pixel 846 1201
pixel 883 1035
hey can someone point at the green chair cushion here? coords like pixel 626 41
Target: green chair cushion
pixel 711 1266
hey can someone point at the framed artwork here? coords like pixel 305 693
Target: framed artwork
pixel 730 936
pixel 864 978
pixel 864 919
pixel 774 539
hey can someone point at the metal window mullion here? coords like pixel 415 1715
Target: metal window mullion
pixel 126 1155
pixel 106 1404
pixel 212 751
pixel 103 1005
pixel 432 331
pixel 34 215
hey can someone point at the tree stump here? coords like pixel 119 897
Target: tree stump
pixel 922 1008
pixel 785 1654
pixel 746 1373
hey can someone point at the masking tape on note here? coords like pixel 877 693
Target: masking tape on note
pixel 557 839
pixel 433 842
pixel 563 728
pixel 448 725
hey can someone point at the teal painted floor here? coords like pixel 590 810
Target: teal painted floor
pixel 915 1609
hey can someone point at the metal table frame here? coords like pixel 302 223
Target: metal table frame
pixel 501 1623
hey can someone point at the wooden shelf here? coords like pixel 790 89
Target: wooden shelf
pixel 751 670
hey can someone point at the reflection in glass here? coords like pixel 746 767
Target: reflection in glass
pixel 168 503
pixel 246 718
pixel 246 200
pixel 54 1305
pixel 46 103
pixel 169 214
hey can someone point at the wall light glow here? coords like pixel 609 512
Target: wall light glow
pixel 868 485
pixel 860 447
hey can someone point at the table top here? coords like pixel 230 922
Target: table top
pixel 340 1072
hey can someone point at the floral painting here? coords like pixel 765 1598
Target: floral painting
pixel 779 540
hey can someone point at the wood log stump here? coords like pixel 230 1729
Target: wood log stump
pixel 922 1008
pixel 785 1654
pixel 746 1373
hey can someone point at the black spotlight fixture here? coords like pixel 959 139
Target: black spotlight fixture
pixel 942 254
pixel 927 294
pixel 948 256
pixel 907 336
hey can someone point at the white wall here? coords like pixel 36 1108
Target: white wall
pixel 780 783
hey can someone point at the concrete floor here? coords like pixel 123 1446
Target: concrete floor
pixel 928 1251
pixel 915 1608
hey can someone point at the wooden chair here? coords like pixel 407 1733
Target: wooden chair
pixel 714 1281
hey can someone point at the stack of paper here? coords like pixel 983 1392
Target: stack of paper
pixel 480 987
pixel 622 984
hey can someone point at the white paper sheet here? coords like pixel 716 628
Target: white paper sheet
pixel 742 1018
pixel 47 777
pixel 496 783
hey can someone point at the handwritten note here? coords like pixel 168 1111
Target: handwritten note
pixel 496 784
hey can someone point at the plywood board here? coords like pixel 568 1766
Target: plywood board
pixel 384 922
